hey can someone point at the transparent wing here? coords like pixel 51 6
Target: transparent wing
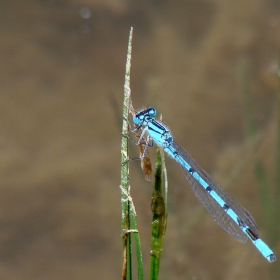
pixel 214 209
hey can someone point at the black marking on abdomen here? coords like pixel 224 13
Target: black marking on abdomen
pixel 191 170
pixel 252 235
pixel 209 189
pixel 226 207
pixel 240 222
pixel 175 154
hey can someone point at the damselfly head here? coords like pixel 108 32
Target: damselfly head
pixel 143 114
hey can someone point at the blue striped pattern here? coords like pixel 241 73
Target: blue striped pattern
pixel 231 216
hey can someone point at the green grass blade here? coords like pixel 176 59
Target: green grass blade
pixel 158 219
pixel 126 239
pixel 129 225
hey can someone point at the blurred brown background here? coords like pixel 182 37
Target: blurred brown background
pixel 62 75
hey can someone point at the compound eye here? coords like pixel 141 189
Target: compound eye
pixel 152 112
pixel 138 118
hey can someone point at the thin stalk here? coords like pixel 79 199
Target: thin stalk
pixel 252 132
pixel 129 225
pixel 277 161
